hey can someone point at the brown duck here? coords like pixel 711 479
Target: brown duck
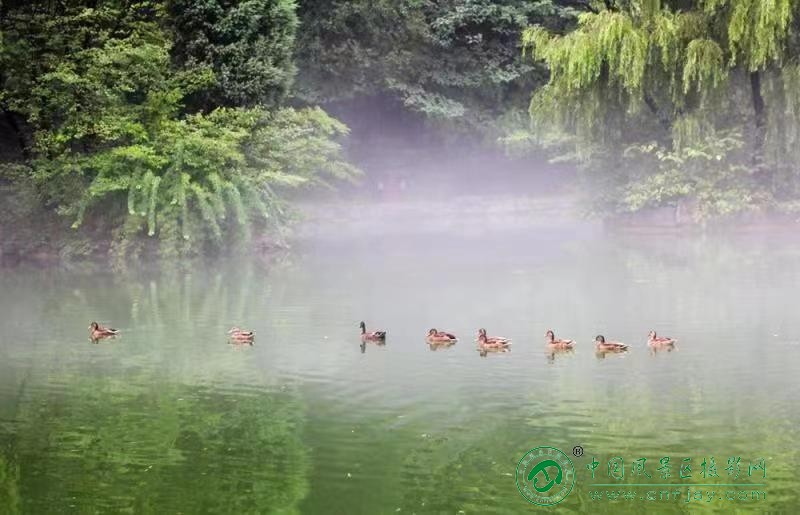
pixel 98 332
pixel 373 336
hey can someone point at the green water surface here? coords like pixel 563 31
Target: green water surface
pixel 170 418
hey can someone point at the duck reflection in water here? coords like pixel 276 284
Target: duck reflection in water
pixel 560 352
pixel 603 354
pixel 434 346
pixel 363 345
pixel 664 347
pixel 485 351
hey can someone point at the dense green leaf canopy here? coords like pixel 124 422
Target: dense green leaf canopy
pixel 666 101
pixel 452 60
pixel 247 43
pixel 111 134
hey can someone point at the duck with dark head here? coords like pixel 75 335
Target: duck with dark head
pixel 554 343
pixel 608 346
pixel 484 343
pixel 98 332
pixel 435 336
pixel 492 339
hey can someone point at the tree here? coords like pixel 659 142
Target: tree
pixel 110 138
pixel 452 61
pixel 247 43
pixel 658 80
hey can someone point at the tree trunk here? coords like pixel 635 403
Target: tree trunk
pixel 662 118
pixel 760 121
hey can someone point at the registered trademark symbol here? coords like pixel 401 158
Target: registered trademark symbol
pixel 577 451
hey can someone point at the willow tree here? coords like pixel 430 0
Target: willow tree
pixel 671 100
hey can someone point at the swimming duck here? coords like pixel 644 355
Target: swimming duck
pixel 485 343
pixel 435 336
pixel 654 339
pixel 98 332
pixel 374 336
pixel 492 339
pixel 241 336
pixel 603 345
pixel 557 344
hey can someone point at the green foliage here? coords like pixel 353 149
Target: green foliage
pixel 702 90
pixel 757 29
pixel 247 43
pixel 456 62
pixel 704 67
pixel 114 145
pixel 204 178
pixel 713 171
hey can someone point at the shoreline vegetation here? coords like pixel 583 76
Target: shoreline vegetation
pixel 169 130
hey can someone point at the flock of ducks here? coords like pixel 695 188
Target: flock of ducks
pixel 97 332
pixel 435 339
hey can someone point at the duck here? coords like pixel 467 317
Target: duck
pixel 493 339
pixel 654 339
pixel 557 344
pixel 435 336
pixel 241 336
pixel 603 345
pixel 374 336
pixel 485 343
pixel 98 332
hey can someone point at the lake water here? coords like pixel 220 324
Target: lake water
pixel 169 418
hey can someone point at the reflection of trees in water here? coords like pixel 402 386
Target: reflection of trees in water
pixel 165 419
pixel 130 445
pixel 9 485
pixel 444 475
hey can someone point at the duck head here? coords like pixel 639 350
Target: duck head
pixel 94 326
pixel 363 327
pixel 550 335
pixel 600 339
pixel 481 332
pixel 651 335
pixel 432 332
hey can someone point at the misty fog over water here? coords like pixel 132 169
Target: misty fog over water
pixel 310 418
